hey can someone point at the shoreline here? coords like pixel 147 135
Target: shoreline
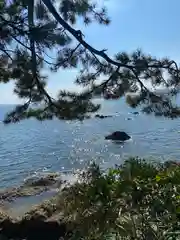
pixel 34 190
pixel 94 204
pixel 33 209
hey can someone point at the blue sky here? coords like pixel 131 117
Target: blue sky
pixel 152 25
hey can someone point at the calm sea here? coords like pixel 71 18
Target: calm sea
pixel 30 146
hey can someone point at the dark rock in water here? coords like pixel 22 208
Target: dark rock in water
pixel 102 116
pixel 128 119
pixel 135 113
pixel 118 136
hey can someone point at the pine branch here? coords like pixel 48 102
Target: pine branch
pixel 68 58
pixel 124 73
pixel 13 25
pixel 6 52
pixel 33 51
pixel 101 53
pixel 29 48
pixel 78 35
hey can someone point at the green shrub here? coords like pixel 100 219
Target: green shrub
pixel 137 200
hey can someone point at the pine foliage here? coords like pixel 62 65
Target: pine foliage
pixel 30 30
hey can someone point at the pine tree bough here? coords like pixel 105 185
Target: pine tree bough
pixel 30 31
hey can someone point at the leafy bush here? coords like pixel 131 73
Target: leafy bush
pixel 136 200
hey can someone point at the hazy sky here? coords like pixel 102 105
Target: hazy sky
pixel 152 25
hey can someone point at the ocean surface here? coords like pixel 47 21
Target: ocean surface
pixel 30 146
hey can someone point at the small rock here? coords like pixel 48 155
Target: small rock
pixel 118 136
pixel 102 116
pixel 135 113
pixel 47 180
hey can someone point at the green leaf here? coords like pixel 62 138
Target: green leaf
pixel 158 178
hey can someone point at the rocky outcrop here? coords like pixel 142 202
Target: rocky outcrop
pixel 4 216
pixel 118 136
pixel 33 186
pixel 135 113
pixel 102 116
pixel 47 180
pixel 37 224
pixel 33 229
